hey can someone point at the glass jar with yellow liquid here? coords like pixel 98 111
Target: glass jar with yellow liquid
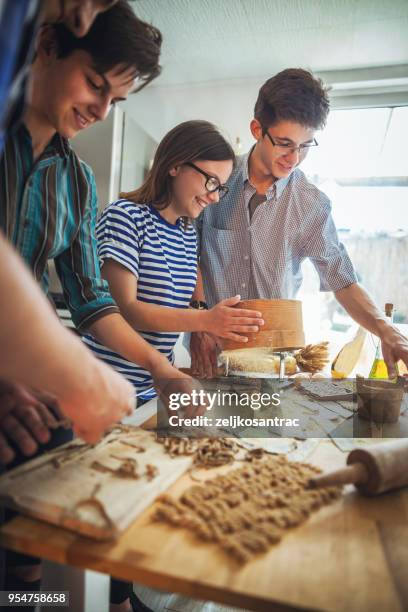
pixel 379 369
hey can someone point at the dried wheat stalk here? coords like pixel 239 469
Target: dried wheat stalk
pixel 313 357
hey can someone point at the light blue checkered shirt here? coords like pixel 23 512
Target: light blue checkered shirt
pixel 262 257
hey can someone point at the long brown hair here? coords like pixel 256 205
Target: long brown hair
pixel 187 142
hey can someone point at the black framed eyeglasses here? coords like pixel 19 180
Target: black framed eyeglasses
pixel 211 183
pixel 287 147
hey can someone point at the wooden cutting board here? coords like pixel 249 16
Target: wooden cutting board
pixel 76 486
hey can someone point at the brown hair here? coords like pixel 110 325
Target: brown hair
pixel 187 142
pixel 116 38
pixel 293 95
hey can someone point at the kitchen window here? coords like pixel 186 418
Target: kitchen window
pixel 362 165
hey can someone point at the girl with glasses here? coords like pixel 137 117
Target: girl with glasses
pixel 147 246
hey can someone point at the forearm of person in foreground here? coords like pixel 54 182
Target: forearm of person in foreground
pixel 39 352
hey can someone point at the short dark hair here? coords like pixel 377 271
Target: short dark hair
pixel 293 95
pixel 117 37
pixel 189 141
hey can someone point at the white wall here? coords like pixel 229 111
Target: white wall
pixel 229 105
pixel 118 151
pixel 100 147
pixel 137 150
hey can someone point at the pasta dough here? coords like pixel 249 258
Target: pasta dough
pixel 248 509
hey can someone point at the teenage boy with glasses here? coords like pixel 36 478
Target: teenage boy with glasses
pixel 254 241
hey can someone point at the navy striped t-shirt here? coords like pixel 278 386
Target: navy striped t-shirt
pixel 163 257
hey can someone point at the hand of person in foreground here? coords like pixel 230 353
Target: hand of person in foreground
pixel 26 420
pixel 106 400
pixel 27 417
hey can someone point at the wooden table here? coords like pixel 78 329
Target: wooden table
pixel 352 555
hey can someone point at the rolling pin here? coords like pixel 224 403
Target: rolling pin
pixel 372 470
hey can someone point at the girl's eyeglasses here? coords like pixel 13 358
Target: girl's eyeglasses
pixel 212 183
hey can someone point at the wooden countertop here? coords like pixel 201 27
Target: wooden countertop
pixel 350 556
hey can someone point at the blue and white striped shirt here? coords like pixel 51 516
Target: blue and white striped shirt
pixel 261 257
pixel 163 258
